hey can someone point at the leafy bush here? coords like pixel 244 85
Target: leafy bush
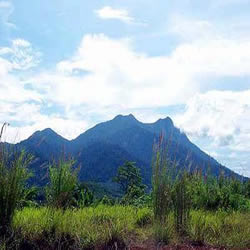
pixel 212 193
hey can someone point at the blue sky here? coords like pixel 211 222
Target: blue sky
pixel 71 64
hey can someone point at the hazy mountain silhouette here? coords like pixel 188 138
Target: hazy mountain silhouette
pixel 103 148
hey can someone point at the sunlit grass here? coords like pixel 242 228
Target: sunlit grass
pixel 221 228
pixel 90 226
pixel 95 226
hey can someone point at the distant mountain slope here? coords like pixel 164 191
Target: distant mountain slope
pixel 46 143
pixel 101 149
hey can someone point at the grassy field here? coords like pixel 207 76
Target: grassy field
pixel 103 226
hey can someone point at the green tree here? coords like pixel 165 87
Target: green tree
pixel 130 181
pixel 128 176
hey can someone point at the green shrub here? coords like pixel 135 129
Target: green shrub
pixel 13 176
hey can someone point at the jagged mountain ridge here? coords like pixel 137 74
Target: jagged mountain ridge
pixel 101 149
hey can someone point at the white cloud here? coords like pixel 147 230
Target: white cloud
pixel 191 29
pixel 21 43
pixel 113 74
pixel 222 119
pixel 21 55
pixel 108 12
pixel 221 115
pixel 117 75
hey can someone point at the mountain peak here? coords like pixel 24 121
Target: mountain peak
pixel 47 133
pixel 168 121
pixel 125 117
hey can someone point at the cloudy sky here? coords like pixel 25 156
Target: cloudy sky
pixel 71 64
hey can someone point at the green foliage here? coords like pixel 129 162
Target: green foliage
pixel 62 184
pixel 162 189
pixel 247 189
pixel 144 217
pixel 13 176
pixel 107 201
pixel 228 229
pixel 83 196
pixel 211 193
pixel 128 176
pixel 89 227
pixel 162 232
pixel 133 195
pixel 181 202
pixel 93 227
pixel 28 197
pixel 130 181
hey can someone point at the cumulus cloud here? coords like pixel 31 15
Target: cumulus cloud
pixel 117 75
pixel 108 12
pixel 222 115
pixel 114 74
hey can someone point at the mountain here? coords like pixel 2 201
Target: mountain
pixel 47 144
pixel 103 148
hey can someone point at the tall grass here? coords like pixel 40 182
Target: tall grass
pixel 87 228
pixel 220 228
pixel 104 225
pixel 62 184
pixel 13 176
pixel 182 202
pixel 162 189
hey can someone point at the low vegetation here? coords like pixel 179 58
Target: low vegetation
pixel 104 226
pixel 180 208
